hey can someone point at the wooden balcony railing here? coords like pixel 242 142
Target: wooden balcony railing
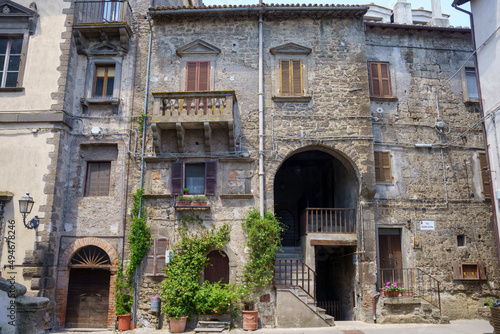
pixel 415 281
pixel 194 106
pixel 102 12
pixel 323 220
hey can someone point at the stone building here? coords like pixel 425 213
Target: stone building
pixel 360 139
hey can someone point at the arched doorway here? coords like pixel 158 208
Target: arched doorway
pixel 88 288
pixel 217 268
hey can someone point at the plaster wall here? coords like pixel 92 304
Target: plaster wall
pixel 42 63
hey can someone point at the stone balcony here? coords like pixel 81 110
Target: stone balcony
pixel 205 110
pixel 102 21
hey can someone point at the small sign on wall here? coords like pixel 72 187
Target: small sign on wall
pixel 427 225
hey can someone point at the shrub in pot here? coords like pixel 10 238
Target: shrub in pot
pixel 123 299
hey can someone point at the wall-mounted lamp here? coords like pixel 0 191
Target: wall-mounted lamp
pixel 25 205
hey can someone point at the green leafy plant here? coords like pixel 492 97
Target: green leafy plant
pixel 200 198
pixel 123 292
pixel 393 286
pixel 182 198
pixel 186 191
pixel 488 302
pixel 179 288
pixel 217 298
pixel 263 242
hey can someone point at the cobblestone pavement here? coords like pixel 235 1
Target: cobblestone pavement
pixel 344 327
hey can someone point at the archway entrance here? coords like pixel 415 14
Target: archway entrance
pixel 312 180
pixel 88 289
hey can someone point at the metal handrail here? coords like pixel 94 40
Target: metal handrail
pixel 281 279
pixel 416 280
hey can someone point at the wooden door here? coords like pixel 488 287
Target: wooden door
pixel 88 298
pixel 217 268
pixel 390 259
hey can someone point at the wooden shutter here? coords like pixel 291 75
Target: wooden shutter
pixel 97 183
pixel 160 249
pixel 197 79
pixel 191 77
pixel 210 177
pixel 457 270
pixel 380 81
pixel 291 77
pixel 383 166
pixel 177 178
pixel 482 270
pixel 484 175
pixel 149 263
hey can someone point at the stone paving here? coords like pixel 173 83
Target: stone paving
pixel 348 327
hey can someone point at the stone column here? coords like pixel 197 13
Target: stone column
pixel 437 15
pixel 30 314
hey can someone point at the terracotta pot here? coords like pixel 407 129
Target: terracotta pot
pixel 407 293
pixel 196 203
pixel 250 320
pixel 124 322
pixel 178 326
pixel 182 203
pixel 392 293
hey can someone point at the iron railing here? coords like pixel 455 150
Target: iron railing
pixel 332 307
pixel 325 220
pixel 102 12
pixel 413 280
pixel 295 273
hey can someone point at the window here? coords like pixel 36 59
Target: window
pixel 291 77
pixel 380 82
pixel 199 178
pixel 156 259
pixel 104 81
pixel 469 271
pixel 484 175
pixel 10 61
pixel 470 76
pixel 97 181
pixel 383 166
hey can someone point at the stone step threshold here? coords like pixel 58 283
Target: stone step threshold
pixel 214 324
pixel 89 330
pixel 208 330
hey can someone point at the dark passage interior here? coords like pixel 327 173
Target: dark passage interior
pixel 311 179
pixel 334 282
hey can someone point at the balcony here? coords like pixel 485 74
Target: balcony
pixel 193 110
pixel 102 20
pixel 325 220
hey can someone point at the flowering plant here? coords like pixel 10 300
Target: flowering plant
pixel 389 287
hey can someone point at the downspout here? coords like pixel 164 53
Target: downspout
pixel 141 183
pixel 261 118
pixel 481 111
pixel 374 301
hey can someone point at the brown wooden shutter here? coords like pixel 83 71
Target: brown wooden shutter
pixel 285 78
pixel 191 77
pixel 177 178
pixel 484 175
pixel 482 270
pixel 457 270
pixel 210 177
pixel 149 263
pixel 160 249
pixel 380 82
pixel 383 166
pixel 297 78
pixel 98 175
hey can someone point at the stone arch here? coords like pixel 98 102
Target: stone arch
pixel 64 271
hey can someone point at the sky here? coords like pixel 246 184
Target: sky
pixel 456 19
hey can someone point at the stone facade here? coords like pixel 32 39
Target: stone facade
pixel 318 156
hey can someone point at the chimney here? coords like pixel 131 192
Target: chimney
pixel 402 12
pixel 437 15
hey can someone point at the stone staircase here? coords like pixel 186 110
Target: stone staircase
pixel 295 284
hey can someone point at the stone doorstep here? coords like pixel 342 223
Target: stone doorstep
pixel 208 330
pixel 214 324
pixel 401 300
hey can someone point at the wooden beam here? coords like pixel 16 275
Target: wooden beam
pixel 334 242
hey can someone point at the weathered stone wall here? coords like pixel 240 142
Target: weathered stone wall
pixel 443 183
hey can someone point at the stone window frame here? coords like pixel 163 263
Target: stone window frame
pixel 21 22
pixel 178 176
pixel 465 89
pixel 290 51
pixel 93 63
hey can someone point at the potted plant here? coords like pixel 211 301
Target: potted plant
pixel 200 200
pixel 183 200
pixel 186 191
pixel 391 289
pixel 263 241
pixel 217 298
pixel 123 299
pixel 406 292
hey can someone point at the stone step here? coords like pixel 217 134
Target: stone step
pixel 329 319
pixel 214 324
pixel 208 330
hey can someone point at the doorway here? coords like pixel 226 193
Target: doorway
pixel 390 258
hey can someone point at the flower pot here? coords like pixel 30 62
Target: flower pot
pixel 392 293
pixel 250 320
pixel 183 203
pixel 124 322
pixel 178 326
pixel 197 203
pixel 407 293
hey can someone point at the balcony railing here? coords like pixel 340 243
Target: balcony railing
pixel 102 12
pixel 416 280
pixel 323 220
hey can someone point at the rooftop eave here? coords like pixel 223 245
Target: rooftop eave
pixel 417 27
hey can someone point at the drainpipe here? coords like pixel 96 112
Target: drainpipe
pixel 141 184
pixel 262 181
pixel 374 301
pixel 481 111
